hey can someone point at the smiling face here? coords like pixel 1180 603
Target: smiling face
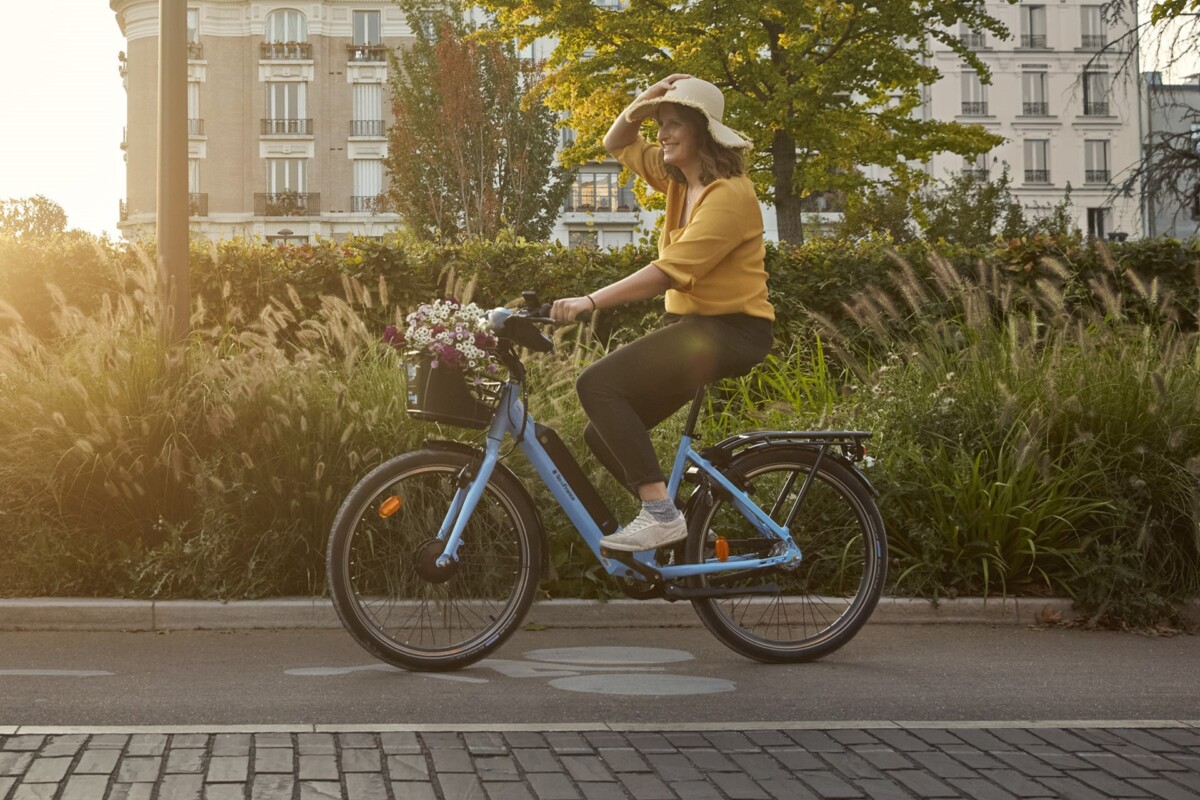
pixel 679 137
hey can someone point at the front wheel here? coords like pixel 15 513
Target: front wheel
pixel 822 602
pixel 386 586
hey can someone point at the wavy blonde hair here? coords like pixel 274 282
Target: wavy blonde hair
pixel 716 160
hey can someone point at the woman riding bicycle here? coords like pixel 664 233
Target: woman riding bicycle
pixel 710 265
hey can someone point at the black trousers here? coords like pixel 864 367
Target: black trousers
pixel 640 384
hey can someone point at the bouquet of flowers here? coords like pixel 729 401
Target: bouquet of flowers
pixel 450 334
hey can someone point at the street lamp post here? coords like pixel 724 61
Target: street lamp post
pixel 172 207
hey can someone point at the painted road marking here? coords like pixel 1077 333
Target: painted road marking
pixel 629 671
pixel 54 673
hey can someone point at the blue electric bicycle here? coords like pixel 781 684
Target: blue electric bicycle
pixel 435 556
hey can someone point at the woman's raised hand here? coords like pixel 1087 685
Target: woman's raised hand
pixel 658 90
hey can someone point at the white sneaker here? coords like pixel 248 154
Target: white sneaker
pixel 646 533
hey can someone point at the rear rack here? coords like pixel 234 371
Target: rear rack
pixel 850 443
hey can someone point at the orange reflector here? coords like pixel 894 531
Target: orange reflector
pixel 722 549
pixel 389 507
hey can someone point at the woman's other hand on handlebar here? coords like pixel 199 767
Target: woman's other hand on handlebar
pixel 566 309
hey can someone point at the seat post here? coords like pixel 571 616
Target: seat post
pixel 689 429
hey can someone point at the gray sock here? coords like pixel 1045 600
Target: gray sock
pixel 661 510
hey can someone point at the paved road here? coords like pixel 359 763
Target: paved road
pixel 890 672
pixel 903 711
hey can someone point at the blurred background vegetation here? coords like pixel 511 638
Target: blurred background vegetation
pixel 1035 400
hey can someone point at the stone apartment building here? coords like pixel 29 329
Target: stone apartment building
pixel 287 116
pixel 1069 112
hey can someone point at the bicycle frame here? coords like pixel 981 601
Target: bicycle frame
pixel 511 419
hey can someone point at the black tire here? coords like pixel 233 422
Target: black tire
pixel 408 613
pixel 823 602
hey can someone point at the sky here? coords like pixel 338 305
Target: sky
pixel 62 108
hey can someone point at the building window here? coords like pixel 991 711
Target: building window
pixel 194 50
pixel 367 119
pixel 367 28
pixel 1092 24
pixel 368 185
pixel 615 239
pixel 1095 156
pixel 1037 160
pixel 974 95
pixel 1033 27
pixel 286 25
pixel 195 121
pixel 1033 94
pixel 976 168
pixel 287 103
pixel 599 191
pixel 1095 92
pixel 970 38
pixel 1196 202
pixel 584 238
pixel 287 175
pixel 287 190
pixel 1096 219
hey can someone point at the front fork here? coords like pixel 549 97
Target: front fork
pixel 470 490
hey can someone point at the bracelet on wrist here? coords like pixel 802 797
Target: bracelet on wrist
pixel 590 300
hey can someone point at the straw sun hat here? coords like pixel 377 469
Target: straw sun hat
pixel 702 96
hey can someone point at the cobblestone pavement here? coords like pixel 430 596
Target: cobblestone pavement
pixel 871 760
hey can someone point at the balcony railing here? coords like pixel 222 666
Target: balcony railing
pixel 287 204
pixel 1095 109
pixel 198 204
pixel 195 51
pixel 1095 175
pixel 590 198
pixel 1094 41
pixel 1035 109
pixel 195 127
pixel 367 127
pixel 975 174
pixel 1037 176
pixel 971 39
pixel 974 108
pixel 368 203
pixel 286 51
pixel 360 53
pixel 287 127
pixel 1033 41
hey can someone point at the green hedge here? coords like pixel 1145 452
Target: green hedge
pixel 1033 405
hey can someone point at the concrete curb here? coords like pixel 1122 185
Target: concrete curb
pixel 85 614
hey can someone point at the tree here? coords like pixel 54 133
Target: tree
pixel 821 87
pixel 34 217
pixel 471 152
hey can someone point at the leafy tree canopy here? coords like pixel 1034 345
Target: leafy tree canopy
pixel 822 88
pixel 36 216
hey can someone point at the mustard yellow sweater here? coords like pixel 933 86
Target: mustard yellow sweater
pixel 714 258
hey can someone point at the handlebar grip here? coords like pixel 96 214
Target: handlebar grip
pixel 544 313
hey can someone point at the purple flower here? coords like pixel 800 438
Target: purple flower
pixel 393 336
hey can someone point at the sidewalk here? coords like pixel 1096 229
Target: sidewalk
pixel 317 613
pixel 606 762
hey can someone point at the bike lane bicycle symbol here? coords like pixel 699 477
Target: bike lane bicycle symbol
pixel 635 671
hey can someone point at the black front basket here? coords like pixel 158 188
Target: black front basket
pixel 445 394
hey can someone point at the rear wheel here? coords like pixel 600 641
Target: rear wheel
pixel 383 576
pixel 820 604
